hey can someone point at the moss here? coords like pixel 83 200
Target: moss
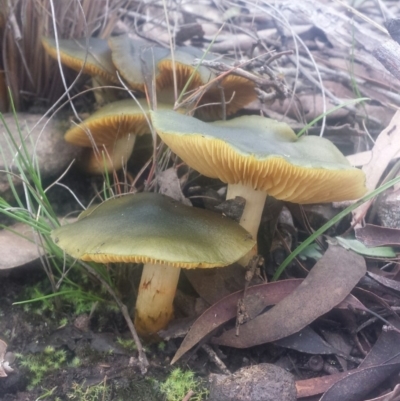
pixel 180 382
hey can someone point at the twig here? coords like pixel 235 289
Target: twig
pixel 253 268
pixel 143 362
pixel 259 81
pixel 216 359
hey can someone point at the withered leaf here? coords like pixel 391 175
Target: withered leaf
pixel 386 347
pixel 358 384
pixel 3 347
pixel 226 308
pixel 372 235
pixel 258 297
pixel 328 283
pixel 307 341
pixel 387 282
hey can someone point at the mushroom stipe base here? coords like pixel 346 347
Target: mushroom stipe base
pixel 156 294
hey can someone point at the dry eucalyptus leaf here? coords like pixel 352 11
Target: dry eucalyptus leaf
pixel 357 385
pixel 15 250
pixel 387 282
pixel 307 341
pixel 328 283
pixel 226 309
pixel 372 235
pixel 386 147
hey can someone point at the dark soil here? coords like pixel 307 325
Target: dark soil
pixel 28 330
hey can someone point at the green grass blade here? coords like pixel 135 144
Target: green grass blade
pixel 330 223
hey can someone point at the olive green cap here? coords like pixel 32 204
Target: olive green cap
pixel 135 57
pixel 264 154
pixel 92 56
pixel 153 228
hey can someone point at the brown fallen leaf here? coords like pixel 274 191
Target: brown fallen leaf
pixel 358 384
pixel 340 386
pixel 387 145
pixel 258 297
pixel 14 249
pixel 226 309
pixel 372 235
pixel 392 396
pixel 318 385
pixel 328 283
pixel 386 347
pixel 387 282
pixel 307 341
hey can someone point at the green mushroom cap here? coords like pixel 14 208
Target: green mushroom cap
pixel 264 154
pixel 92 55
pixel 153 228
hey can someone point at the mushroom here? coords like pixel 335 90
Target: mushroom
pixel 136 57
pixel 114 128
pixel 161 233
pixel 257 156
pixel 92 56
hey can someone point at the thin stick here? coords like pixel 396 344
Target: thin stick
pixel 143 362
pixel 216 359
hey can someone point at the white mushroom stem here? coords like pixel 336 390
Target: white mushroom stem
pixel 255 201
pixel 252 212
pixel 156 294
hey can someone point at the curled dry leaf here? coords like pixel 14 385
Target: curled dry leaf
pixel 328 284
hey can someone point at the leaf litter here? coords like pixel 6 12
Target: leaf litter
pixel 259 297
pixel 328 283
pixel 382 361
pixel 329 31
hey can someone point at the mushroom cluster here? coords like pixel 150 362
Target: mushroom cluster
pixel 255 156
pixel 136 59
